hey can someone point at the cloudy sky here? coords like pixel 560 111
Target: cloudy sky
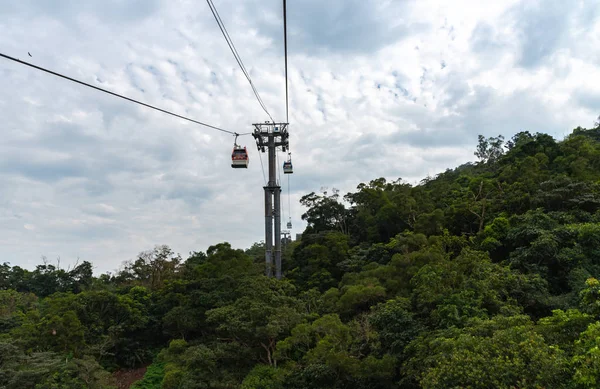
pixel 379 88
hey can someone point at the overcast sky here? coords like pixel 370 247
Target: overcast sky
pixel 395 89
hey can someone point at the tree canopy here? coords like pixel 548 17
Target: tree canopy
pixel 485 276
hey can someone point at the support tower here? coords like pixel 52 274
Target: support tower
pixel 269 136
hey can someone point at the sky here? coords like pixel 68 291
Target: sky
pixel 379 88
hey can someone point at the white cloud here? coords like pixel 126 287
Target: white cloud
pixel 394 89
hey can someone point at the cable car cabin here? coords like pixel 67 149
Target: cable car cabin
pixel 239 157
pixel 287 167
pixel 289 225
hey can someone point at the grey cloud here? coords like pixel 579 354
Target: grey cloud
pixel 482 37
pixel 349 25
pixel 109 11
pixel 100 209
pixel 453 90
pixel 486 111
pixel 87 232
pixel 94 160
pixel 367 147
pixel 371 156
pixel 445 134
pixel 170 181
pixel 397 89
pixel 187 188
pixel 541 27
pixel 588 99
pixel 97 187
pixel 488 43
pixel 339 26
pixel 64 137
pixel 507 114
pixel 40 169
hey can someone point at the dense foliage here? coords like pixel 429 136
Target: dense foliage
pixel 482 277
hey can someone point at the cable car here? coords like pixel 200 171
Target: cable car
pixel 287 165
pixel 239 156
pixel 289 224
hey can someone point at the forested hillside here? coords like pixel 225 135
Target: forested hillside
pixel 482 277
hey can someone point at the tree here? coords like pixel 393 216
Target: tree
pixel 265 313
pixel 264 377
pixel 587 357
pixel 451 293
pixel 396 325
pixel 325 212
pixel 334 348
pixel 489 150
pixel 503 352
pixel 590 297
pixel 315 262
pixel 152 268
pixel 81 277
pixel 563 328
pixel 478 205
pixel 380 210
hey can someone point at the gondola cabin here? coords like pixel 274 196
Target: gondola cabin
pixel 289 225
pixel 239 157
pixel 287 167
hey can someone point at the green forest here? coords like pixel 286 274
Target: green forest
pixel 484 276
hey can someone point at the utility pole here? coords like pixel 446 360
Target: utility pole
pixel 269 136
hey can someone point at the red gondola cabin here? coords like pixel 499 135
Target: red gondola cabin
pixel 239 157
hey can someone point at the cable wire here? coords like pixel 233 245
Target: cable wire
pixel 117 95
pixel 289 200
pixel 236 55
pixel 288 190
pixel 278 168
pixel 286 66
pixel 262 166
pixel 287 109
pixel 280 183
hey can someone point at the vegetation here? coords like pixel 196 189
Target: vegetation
pixel 482 277
pixel 152 379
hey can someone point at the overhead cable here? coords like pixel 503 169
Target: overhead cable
pixel 279 181
pixel 262 166
pixel 289 198
pixel 287 118
pixel 236 55
pixel 118 95
pixel 278 172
